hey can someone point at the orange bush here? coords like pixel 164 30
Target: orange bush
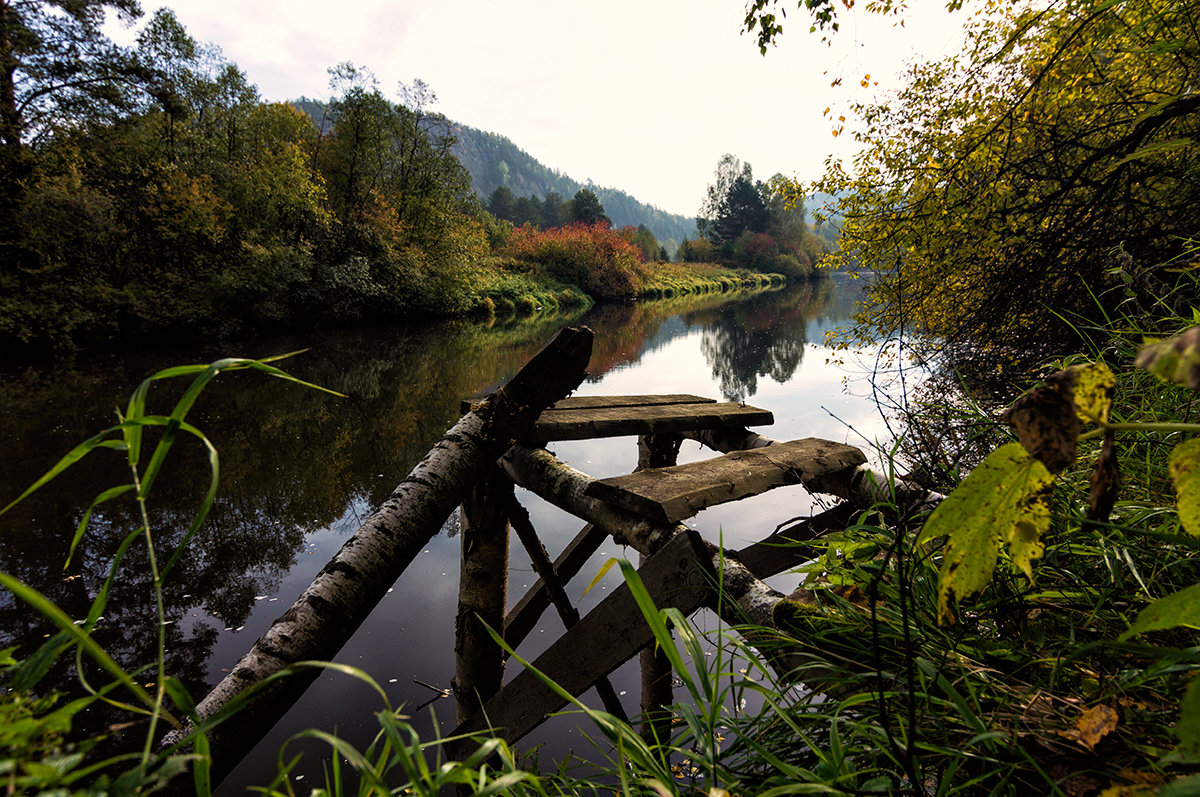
pixel 601 261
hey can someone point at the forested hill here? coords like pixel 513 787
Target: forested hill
pixel 494 160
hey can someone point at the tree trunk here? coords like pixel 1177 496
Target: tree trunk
pixel 326 615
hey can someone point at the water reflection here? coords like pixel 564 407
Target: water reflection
pixel 768 338
pixel 300 469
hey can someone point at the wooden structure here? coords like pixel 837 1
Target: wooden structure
pixel 499 442
pixel 642 509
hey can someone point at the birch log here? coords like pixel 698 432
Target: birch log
pixel 345 591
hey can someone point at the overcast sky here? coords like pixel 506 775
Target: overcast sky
pixel 640 95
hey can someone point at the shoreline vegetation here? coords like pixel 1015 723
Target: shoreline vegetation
pixel 167 201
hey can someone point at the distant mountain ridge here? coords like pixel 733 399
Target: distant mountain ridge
pixel 494 160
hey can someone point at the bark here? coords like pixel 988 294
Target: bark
pixel 658 693
pixel 326 615
pixel 482 593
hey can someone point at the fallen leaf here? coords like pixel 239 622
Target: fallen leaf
pixel 1095 723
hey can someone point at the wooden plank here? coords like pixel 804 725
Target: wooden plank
pixel 672 494
pixel 585 424
pixel 522 618
pixel 590 402
pixel 680 575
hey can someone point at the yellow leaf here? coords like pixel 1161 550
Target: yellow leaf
pixel 1096 723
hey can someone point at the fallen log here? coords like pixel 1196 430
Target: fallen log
pixel 345 591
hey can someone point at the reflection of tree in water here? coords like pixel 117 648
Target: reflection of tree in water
pixel 762 337
pixel 292 462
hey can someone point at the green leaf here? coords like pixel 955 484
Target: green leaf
pixel 1184 467
pixel 1175 359
pixel 1189 721
pixel 107 495
pixel 44 607
pixel 1178 608
pixel 1003 502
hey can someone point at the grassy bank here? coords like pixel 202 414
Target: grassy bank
pixel 508 287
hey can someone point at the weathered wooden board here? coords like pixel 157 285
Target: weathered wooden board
pixel 672 494
pixel 679 575
pixel 591 402
pixel 588 423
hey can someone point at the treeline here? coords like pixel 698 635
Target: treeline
pixel 156 194
pixel 169 199
pixel 751 224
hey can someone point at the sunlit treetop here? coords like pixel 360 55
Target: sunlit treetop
pixel 1044 174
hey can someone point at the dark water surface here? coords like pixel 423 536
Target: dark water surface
pixel 300 470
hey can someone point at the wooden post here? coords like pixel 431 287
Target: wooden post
pixel 656 451
pixel 482 593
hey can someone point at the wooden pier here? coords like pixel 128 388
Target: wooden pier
pixel 500 442
pixel 678 571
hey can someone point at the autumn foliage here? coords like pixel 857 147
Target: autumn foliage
pixel 602 261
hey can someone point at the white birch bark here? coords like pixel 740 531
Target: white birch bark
pixel 345 591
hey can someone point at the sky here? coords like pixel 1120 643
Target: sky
pixel 640 95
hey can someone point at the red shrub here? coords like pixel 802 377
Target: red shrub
pixel 601 261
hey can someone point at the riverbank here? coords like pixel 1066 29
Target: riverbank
pixel 505 290
pixel 501 287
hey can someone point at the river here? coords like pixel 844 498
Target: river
pixel 300 469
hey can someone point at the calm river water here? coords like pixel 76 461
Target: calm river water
pixel 300 469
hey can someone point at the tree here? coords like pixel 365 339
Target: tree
pixel 644 240
pixel 734 203
pixel 500 203
pixel 526 210
pixel 1062 171
pixel 555 212
pixel 57 69
pixel 586 208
